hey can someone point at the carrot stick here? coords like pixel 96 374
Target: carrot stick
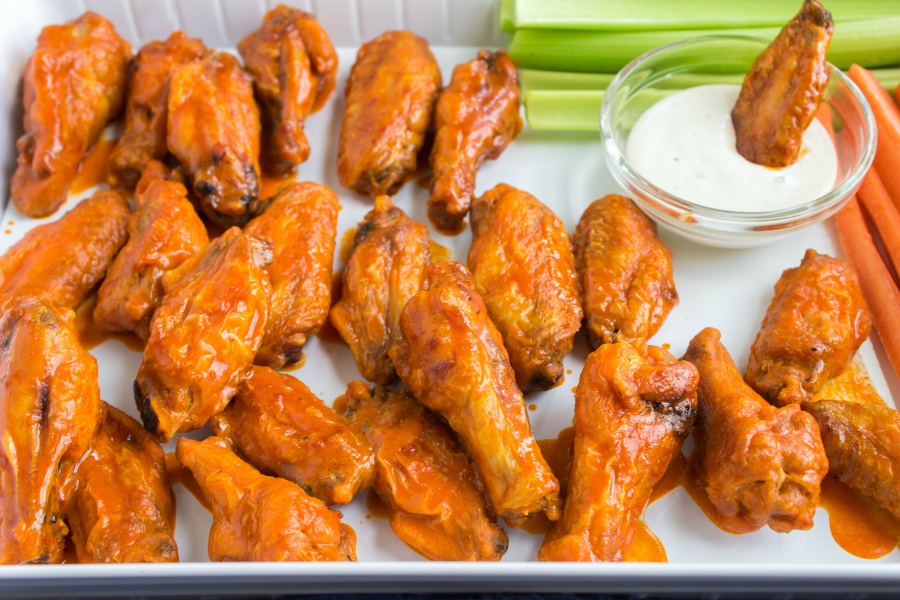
pixel 887 118
pixel 884 214
pixel 878 286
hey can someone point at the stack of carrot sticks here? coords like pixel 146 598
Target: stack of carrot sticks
pixel 869 225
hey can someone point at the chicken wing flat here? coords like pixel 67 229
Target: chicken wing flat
pixel 281 427
pixel 73 84
pixel 294 68
pixel 260 518
pixel 120 511
pixel 63 261
pixel 204 335
pixel 524 270
pixel 389 102
pixel 758 464
pixel 452 358
pixel 144 136
pixel 163 232
pixel 783 89
pixel 814 325
pixel 385 269
pixel 49 412
pixel 213 129
pixel 475 118
pixel 862 442
pixel 634 405
pixel 624 270
pixel 301 226
pixel 436 503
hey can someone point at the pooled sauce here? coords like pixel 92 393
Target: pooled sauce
pixel 91 335
pixel 857 524
pixel 438 251
pixel 178 473
pixel 685 145
pixel 376 506
pixel 644 545
pixel 853 385
pixel 327 333
pixel 269 186
pixel 92 170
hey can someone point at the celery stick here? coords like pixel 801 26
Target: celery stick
pixel 506 16
pixel 530 79
pixel 563 111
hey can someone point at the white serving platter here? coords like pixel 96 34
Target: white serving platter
pixel 726 289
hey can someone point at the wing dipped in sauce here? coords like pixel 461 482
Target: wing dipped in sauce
pixel 782 91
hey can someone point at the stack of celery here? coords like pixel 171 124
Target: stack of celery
pixel 569 50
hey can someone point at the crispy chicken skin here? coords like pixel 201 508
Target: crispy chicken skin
pixel 862 442
pixel 260 518
pixel 213 129
pixel 49 413
pixel 475 118
pixel 144 135
pixel 436 503
pixel 63 261
pixel 301 225
pixel 163 232
pixel 758 464
pixel 452 358
pixel 294 68
pixel 624 270
pixel 634 405
pixel 782 91
pixel 385 269
pixel 282 428
pixel 120 511
pixel 73 84
pixel 523 268
pixel 204 335
pixel 814 325
pixel 389 102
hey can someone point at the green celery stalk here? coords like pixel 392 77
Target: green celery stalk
pixel 506 16
pixel 563 111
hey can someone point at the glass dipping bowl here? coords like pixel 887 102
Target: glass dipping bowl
pixel 660 72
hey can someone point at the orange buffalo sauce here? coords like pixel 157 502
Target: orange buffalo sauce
pixel 644 546
pixel 857 524
pixel 92 170
pixel 853 385
pixel 92 335
pixel 376 506
pixel 269 186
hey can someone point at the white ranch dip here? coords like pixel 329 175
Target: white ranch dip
pixel 685 145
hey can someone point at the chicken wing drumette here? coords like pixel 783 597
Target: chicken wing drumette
pixel 49 413
pixel 436 503
pixel 301 225
pixel 758 464
pixel 204 335
pixel 281 427
pixel 294 68
pixel 163 232
pixel 524 270
pixel 260 518
pixel 624 270
pixel 385 269
pixel 120 511
pixel 213 129
pixel 475 118
pixel 452 358
pixel 634 406
pixel 389 102
pixel 814 325
pixel 144 135
pixel 62 261
pixel 74 83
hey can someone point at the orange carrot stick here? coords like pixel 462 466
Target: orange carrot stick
pixel 887 117
pixel 882 294
pixel 885 215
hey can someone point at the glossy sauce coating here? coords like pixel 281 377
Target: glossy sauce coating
pixel 624 270
pixel 815 323
pixel 73 84
pixel 389 102
pixel 633 408
pixel 524 270
pixel 452 358
pixel 434 499
pixel 144 135
pixel 49 413
pixel 63 261
pixel 281 427
pixel 384 270
pixel 120 511
pixel 300 223
pixel 260 518
pixel 475 118
pixel 204 335
pixel 760 465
